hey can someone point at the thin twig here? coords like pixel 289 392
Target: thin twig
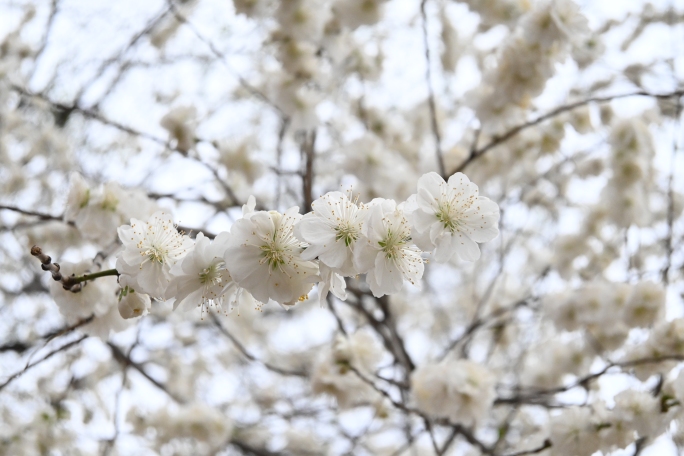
pixel 126 361
pixel 241 348
pixel 431 95
pixel 40 215
pixel 669 249
pixel 479 322
pixel 94 115
pixel 475 154
pixel 547 444
pixel 214 50
pixel 537 396
pixel 308 145
pixel 44 358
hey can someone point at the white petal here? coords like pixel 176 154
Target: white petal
pixel 465 247
pixel 422 221
pixel 364 255
pixel 243 261
pixel 314 230
pixel 335 254
pixel 443 250
pixel 432 184
pixel 422 240
pixel 388 276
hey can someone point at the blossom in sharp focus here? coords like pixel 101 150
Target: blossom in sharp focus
pixel 264 257
pixel 332 231
pixel 450 218
pixel 201 278
pixel 387 254
pixel 150 250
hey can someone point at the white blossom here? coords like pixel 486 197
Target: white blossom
pixel 332 231
pixel 132 304
pixel 462 391
pixel 180 123
pixel 97 212
pixel 264 257
pixel 196 422
pixel 201 278
pixel 354 13
pixel 574 432
pixel 332 374
pixel 640 411
pixel 449 218
pixel 387 254
pixel 150 250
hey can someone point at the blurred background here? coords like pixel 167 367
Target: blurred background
pixel 193 106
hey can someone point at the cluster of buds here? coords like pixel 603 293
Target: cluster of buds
pixel 70 283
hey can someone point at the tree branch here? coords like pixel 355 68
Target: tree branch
pixel 476 153
pixel 241 348
pixel 431 95
pixel 126 361
pixel 44 358
pixel 547 444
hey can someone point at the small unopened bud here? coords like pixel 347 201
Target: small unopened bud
pixel 132 304
pixel 38 253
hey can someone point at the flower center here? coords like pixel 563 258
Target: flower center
pixel 274 254
pixel 156 254
pixel 393 242
pixel 346 232
pixel 211 275
pixel 447 216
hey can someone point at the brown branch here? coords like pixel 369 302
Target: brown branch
pixel 537 396
pixel 227 188
pixel 214 50
pixel 94 115
pixel 388 320
pixel 468 435
pixel 431 433
pixel 132 42
pixel 307 148
pixel 40 215
pixel 44 358
pixel 245 448
pixel 384 393
pixel 457 428
pixel 21 347
pixel 431 95
pixel 284 124
pixel 241 348
pixel 547 444
pixel 476 153
pixel 380 326
pixel 126 361
pixel 331 305
pixel 479 322
pixel 669 249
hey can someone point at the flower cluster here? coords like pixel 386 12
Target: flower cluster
pixel 279 257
